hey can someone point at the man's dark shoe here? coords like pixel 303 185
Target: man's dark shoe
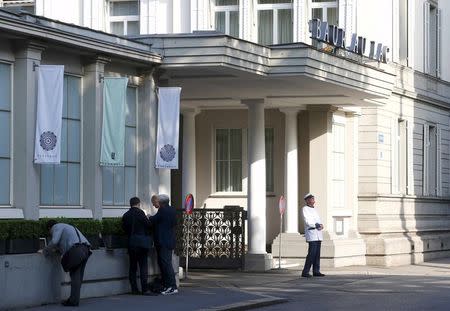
pixel 318 274
pixel 135 292
pixel 306 275
pixel 150 293
pixel 68 303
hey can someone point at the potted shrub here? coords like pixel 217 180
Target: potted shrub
pixel 3 236
pixel 113 234
pixel 23 236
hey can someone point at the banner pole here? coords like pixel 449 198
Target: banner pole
pixel 187 244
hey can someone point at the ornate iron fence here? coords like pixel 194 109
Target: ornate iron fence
pixel 216 237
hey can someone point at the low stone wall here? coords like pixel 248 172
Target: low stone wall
pixel 32 279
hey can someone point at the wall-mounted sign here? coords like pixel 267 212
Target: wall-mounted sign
pixel 336 37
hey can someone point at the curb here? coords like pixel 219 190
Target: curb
pixel 249 304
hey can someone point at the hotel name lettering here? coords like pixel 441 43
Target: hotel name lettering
pixel 335 36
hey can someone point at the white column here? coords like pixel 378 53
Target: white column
pixel 148 183
pixel 256 177
pixel 92 135
pixel 26 173
pixel 320 126
pixel 164 181
pixel 189 168
pixel 291 170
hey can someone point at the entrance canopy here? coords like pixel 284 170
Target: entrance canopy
pixel 216 70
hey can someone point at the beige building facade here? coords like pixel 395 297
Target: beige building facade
pixel 259 120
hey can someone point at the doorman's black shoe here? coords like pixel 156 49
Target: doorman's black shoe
pixel 68 303
pixel 306 275
pixel 318 274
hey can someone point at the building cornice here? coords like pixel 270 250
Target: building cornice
pixel 70 35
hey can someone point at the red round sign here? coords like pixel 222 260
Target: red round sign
pixel 189 204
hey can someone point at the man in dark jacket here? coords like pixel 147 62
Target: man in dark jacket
pixel 164 222
pixel 137 226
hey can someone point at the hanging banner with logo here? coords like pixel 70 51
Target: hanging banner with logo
pixel 282 204
pixel 113 126
pixel 189 204
pixel 168 127
pixel 47 145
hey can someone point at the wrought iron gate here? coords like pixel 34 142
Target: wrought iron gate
pixel 216 238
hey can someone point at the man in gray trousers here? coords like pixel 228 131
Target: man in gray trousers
pixel 64 236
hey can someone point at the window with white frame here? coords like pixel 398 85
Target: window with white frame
pixel 124 17
pixel 325 10
pixel 119 183
pixel 275 21
pixel 402 156
pixel 60 183
pixel 226 17
pixel 431 160
pixel 5 132
pixel 338 181
pixel 229 159
pixel 269 141
pixel 432 39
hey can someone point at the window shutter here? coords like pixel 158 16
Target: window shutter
pixel 426 143
pixel 148 18
pixel 194 15
pixel 426 37
pixel 438 42
pixel 394 157
pixel 438 162
pixel 410 157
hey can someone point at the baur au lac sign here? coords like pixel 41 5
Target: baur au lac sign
pixel 335 36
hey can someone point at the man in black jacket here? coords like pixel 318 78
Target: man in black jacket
pixel 164 222
pixel 137 226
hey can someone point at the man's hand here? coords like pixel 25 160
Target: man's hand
pixel 321 227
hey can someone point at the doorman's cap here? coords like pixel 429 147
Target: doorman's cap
pixel 308 195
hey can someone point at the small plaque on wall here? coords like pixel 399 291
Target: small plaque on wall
pixel 339 226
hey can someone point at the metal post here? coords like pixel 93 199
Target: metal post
pixel 279 245
pixel 187 244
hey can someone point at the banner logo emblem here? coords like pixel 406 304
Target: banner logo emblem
pixel 48 141
pixel 167 153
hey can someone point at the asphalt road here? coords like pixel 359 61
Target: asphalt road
pixel 415 287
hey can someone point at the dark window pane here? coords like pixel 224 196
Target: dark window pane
pixel 285 26
pixel 221 176
pixel 265 27
pixel 234 24
pixel 220 22
pixel 227 2
pixel 124 8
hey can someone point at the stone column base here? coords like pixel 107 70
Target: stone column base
pixel 406 248
pixel 292 245
pixel 258 262
pixel 334 253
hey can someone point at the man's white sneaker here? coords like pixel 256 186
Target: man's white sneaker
pixel 170 291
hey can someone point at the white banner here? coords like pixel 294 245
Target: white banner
pixel 168 127
pixel 47 145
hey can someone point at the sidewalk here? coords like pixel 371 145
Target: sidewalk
pixel 416 287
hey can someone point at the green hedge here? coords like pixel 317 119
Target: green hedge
pixel 112 226
pixel 23 229
pixel 3 230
